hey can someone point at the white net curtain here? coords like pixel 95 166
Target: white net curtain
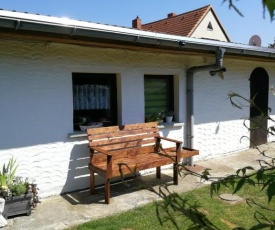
pixel 87 97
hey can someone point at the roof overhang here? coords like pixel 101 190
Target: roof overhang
pixel 72 31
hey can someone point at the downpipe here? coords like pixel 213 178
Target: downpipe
pixel 213 70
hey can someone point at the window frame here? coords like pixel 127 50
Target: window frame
pixel 96 114
pixel 169 94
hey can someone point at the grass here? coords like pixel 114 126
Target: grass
pixel 189 211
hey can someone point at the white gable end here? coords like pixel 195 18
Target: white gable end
pixel 212 32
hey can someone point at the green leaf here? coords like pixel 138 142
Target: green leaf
pixel 11 168
pixel 270 5
pixel 249 167
pixel 239 185
pixel 214 187
pixel 218 187
pixel 271 191
pixel 260 175
pixel 205 174
pixel 243 170
pixel 267 183
pixel 232 183
pixel 251 182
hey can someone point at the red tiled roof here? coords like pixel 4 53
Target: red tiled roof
pixel 182 24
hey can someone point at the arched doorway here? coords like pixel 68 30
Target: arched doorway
pixel 259 84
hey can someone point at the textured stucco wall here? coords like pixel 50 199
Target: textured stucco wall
pixel 37 111
pixel 218 125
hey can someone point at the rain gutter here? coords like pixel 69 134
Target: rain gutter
pixel 64 26
pixel 213 69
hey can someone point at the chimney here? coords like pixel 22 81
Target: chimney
pixel 136 23
pixel 171 15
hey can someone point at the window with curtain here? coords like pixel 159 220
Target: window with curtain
pixel 94 99
pixel 159 95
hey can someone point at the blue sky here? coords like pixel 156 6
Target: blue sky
pixel 122 12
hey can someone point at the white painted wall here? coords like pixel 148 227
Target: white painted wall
pixel 202 31
pixel 218 125
pixel 36 105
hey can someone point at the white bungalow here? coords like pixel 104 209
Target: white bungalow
pixel 55 71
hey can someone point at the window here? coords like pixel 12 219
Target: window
pixel 210 27
pixel 159 93
pixel 94 99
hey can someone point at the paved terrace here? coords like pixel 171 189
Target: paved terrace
pixel 61 212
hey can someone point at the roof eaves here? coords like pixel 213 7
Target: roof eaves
pixel 114 33
pixel 38 18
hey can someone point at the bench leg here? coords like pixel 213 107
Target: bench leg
pixel 92 181
pixel 107 191
pixel 176 174
pixel 158 172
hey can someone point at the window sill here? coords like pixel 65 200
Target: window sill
pixel 81 134
pixel 170 125
pixel 77 134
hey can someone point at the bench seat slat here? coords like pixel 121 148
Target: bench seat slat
pixel 116 130
pixel 136 163
pixel 120 134
pixel 122 153
pixel 122 139
pixel 141 160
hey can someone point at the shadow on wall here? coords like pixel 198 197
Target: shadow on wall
pixel 78 176
pixel 18 138
pixel 176 133
pixel 211 100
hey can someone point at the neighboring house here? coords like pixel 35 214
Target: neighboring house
pixel 199 23
pixel 55 71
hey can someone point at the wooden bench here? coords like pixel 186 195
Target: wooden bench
pixel 118 150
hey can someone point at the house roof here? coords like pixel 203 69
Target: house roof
pixel 183 24
pixel 16 25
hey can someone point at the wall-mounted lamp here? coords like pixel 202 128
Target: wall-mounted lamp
pixel 182 43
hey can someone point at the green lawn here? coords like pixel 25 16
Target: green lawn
pixel 189 211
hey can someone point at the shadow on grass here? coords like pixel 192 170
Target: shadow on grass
pixel 175 209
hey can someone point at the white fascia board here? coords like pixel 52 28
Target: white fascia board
pixel 191 43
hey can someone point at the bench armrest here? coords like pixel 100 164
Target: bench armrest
pixel 101 150
pixel 169 139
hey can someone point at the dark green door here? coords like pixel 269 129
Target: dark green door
pixel 259 84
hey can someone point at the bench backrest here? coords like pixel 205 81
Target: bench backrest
pixel 126 137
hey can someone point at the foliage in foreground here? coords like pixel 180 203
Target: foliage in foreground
pixel 262 177
pixel 192 210
pixel 268 5
pixel 199 209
